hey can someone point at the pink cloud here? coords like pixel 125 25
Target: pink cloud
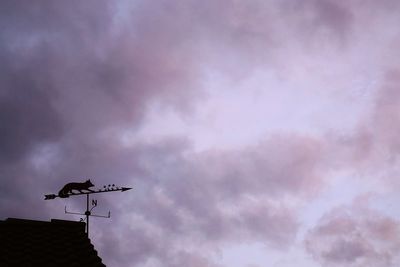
pixel 355 235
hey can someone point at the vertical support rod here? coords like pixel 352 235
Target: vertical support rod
pixel 87 213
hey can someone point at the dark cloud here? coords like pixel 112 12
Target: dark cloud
pixel 320 20
pixel 27 117
pixel 69 81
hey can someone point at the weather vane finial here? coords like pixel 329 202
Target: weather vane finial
pixel 76 189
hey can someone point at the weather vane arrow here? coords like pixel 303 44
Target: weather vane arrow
pixel 76 189
pixel 53 196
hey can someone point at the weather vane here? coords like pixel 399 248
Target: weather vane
pixel 76 189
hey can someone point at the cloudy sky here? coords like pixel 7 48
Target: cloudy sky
pixel 254 133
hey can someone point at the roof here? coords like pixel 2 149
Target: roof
pixel 40 243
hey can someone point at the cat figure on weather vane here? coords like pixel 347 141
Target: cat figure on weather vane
pixel 83 189
pixel 67 189
pixel 75 189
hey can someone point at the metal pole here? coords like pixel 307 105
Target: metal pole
pixel 87 213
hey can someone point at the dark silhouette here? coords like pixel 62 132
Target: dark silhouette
pixel 41 243
pixel 65 192
pixel 67 189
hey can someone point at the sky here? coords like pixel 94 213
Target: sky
pixel 253 133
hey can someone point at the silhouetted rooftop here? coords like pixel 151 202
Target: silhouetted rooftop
pixel 39 243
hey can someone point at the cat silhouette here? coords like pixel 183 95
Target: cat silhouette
pixel 67 189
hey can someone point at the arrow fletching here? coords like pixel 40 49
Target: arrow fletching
pixel 51 196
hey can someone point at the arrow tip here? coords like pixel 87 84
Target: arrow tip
pixel 126 189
